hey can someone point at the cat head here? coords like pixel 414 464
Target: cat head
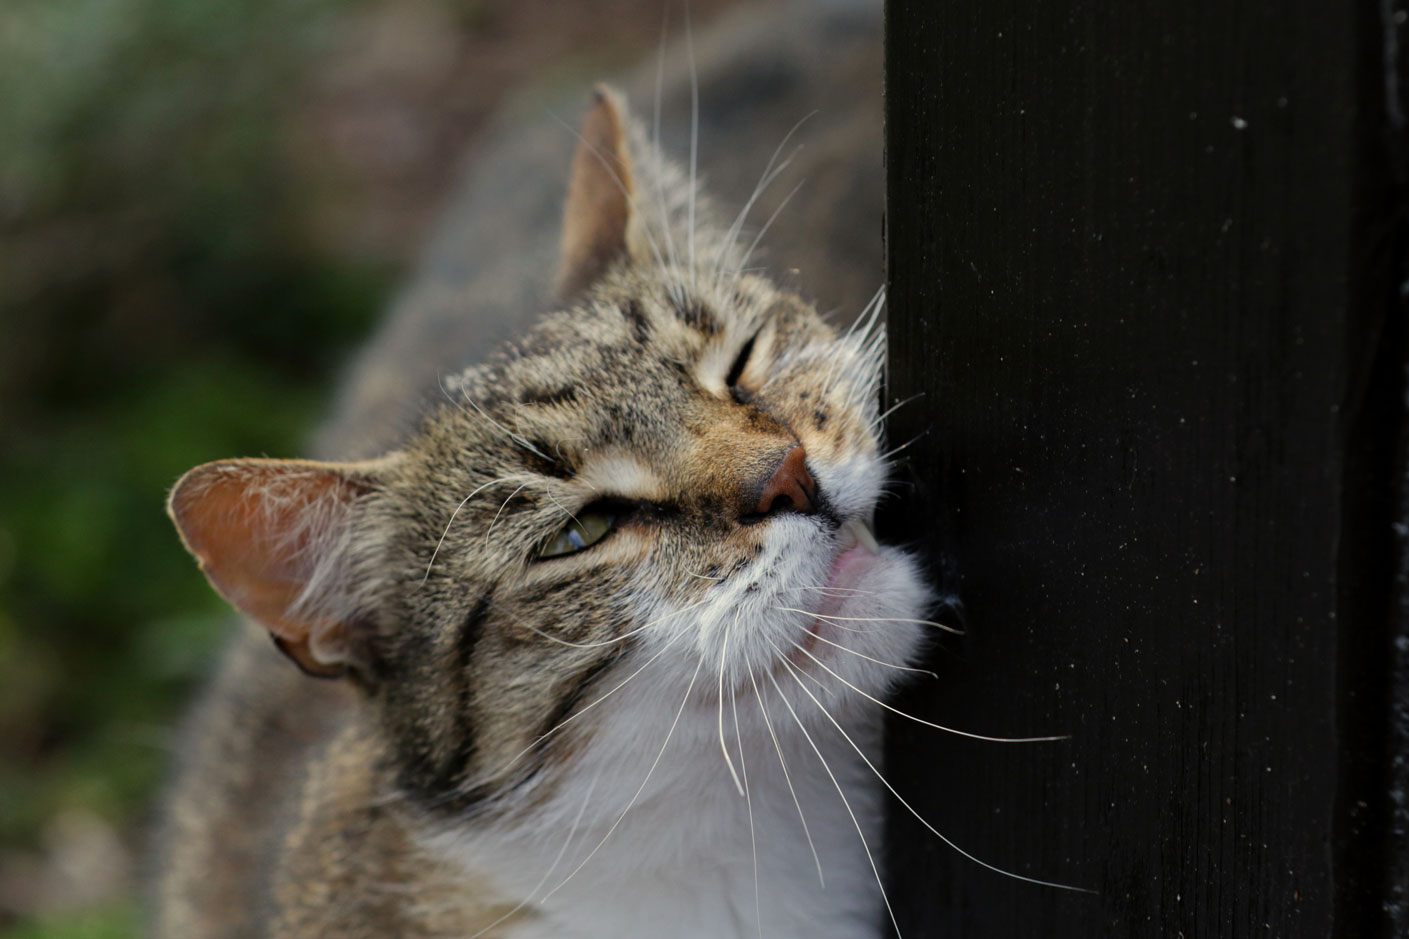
pixel 660 498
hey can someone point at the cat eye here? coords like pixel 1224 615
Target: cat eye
pixel 736 371
pixel 588 528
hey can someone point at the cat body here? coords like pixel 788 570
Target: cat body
pixel 606 618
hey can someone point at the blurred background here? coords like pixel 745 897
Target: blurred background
pixel 203 207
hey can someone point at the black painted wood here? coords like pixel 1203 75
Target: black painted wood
pixel 1145 264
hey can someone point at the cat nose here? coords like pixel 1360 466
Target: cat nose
pixel 790 488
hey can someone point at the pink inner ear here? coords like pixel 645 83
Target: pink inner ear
pixel 259 528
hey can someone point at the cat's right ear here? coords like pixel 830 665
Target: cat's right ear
pixel 597 215
pixel 272 536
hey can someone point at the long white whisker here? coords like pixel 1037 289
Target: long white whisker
pixel 859 752
pixel 583 710
pixel 876 307
pixel 477 491
pixel 502 506
pixel 677 288
pixel 862 655
pixel 866 321
pixel 769 224
pixel 642 788
pixel 949 730
pixel 833 591
pixel 566 511
pixel 895 407
pixel 724 649
pixel 516 438
pixel 572 834
pixel 767 177
pixel 694 135
pixel 872 619
pixel 865 311
pixel 615 639
pixel 748 801
pixel 846 340
pixel 892 452
pixel 787 777
pixel 844 801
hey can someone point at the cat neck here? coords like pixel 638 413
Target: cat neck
pixel 353 865
pixel 642 839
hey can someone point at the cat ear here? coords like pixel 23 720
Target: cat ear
pixel 598 209
pixel 271 536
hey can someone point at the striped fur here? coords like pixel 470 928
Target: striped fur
pixel 622 741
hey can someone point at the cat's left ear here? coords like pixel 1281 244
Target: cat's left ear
pixel 597 215
pixel 274 539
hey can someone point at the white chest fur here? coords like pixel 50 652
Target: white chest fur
pixel 683 853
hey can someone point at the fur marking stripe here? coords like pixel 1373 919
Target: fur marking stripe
pixel 549 396
pixel 697 315
pixel 583 683
pixel 640 326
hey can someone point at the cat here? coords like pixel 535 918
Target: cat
pixel 607 626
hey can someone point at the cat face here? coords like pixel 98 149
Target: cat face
pixel 662 496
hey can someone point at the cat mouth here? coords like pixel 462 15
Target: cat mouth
pixel 855 532
pixel 857 551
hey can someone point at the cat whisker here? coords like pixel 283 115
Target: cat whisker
pixel 787 777
pixel 872 619
pixel 502 506
pixel 615 639
pixel 475 492
pixel 723 652
pixel 851 629
pixel 841 792
pixel 858 341
pixel 678 291
pixel 935 831
pixel 640 789
pixel 768 224
pixel 873 354
pixel 890 453
pixel 566 511
pixel 770 173
pixel 842 592
pixel 748 801
pixel 876 299
pixel 538 741
pixel 949 730
pixel 572 835
pixel 694 138
pixel 516 438
pixel 875 661
pixel 765 179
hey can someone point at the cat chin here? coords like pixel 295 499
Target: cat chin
pixel 820 621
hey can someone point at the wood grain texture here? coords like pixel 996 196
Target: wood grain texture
pixel 1144 267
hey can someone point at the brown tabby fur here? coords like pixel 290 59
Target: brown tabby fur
pixel 298 804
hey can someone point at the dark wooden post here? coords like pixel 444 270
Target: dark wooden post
pixel 1147 268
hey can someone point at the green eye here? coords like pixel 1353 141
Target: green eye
pixel 579 534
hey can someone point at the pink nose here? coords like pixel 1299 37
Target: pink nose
pixel 790 488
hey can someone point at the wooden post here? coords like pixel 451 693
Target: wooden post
pixel 1147 267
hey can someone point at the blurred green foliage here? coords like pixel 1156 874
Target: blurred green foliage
pixel 159 307
pixel 119 921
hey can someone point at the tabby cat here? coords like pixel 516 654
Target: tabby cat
pixel 608 626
